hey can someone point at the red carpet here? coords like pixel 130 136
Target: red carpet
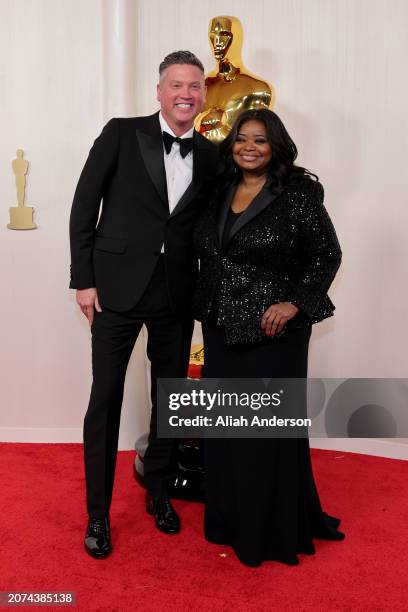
pixel 43 520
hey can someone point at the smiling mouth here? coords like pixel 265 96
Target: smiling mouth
pixel 183 105
pixel 250 157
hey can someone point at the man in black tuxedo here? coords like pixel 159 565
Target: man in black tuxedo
pixel 135 266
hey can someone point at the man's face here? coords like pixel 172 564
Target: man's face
pixel 181 93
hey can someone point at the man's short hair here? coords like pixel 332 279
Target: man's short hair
pixel 180 57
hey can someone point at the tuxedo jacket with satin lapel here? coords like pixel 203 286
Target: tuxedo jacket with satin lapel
pixel 281 248
pixel 118 253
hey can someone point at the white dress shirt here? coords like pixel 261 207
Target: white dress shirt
pixel 179 170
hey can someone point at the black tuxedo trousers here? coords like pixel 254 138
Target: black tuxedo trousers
pixel 113 337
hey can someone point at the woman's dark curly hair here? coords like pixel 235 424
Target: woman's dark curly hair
pixel 282 168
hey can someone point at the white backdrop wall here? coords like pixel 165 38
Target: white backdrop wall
pixel 66 67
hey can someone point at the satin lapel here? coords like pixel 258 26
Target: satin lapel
pixel 205 158
pixel 223 213
pixel 186 198
pixel 151 148
pixel 262 200
pixel 204 165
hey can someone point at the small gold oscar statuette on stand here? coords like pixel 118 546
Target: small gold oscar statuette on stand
pixel 21 216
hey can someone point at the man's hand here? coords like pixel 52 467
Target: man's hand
pixel 87 300
pixel 276 316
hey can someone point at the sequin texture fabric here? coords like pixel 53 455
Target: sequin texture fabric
pixel 288 251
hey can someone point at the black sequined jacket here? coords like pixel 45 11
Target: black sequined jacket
pixel 281 249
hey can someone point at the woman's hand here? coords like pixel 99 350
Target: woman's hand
pixel 276 316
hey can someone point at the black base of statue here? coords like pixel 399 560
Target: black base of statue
pixel 188 484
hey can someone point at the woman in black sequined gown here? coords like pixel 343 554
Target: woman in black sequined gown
pixel 268 254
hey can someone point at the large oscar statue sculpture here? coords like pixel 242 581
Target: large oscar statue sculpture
pixel 231 88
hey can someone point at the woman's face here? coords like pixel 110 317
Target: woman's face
pixel 251 150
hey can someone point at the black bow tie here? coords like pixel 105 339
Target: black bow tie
pixel 186 144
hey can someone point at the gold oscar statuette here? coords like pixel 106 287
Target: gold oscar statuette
pixel 197 354
pixel 231 88
pixel 21 216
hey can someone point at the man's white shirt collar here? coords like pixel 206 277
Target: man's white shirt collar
pixel 166 128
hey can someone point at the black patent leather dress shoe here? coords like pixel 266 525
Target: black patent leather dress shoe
pixel 166 518
pixel 97 538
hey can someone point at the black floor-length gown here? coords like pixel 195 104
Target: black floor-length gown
pixel 261 497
